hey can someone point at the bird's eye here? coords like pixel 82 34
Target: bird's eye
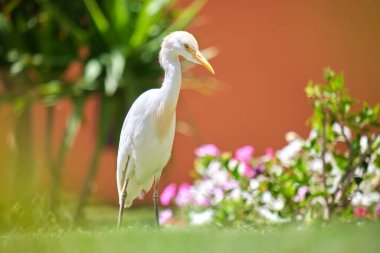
pixel 186 46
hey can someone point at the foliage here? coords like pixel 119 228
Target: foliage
pixel 54 50
pixel 334 172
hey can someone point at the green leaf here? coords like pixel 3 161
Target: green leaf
pixel 181 22
pixel 147 16
pixel 64 21
pixel 73 124
pixel 120 14
pixel 72 127
pixel 92 70
pixel 328 74
pixel 337 82
pixel 310 89
pixel 97 16
pixel 186 16
pixel 114 72
pixel 3 24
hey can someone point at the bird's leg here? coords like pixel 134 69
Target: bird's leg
pixel 155 200
pixel 122 202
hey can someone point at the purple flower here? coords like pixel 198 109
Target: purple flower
pixel 168 194
pixel 165 216
pixel 301 194
pixel 183 195
pixel 207 150
pixel 260 169
pixel 244 154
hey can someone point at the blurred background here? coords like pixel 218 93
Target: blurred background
pixel 70 71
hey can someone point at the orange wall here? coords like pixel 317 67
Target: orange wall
pixel 268 52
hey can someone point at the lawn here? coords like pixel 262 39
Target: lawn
pixel 139 235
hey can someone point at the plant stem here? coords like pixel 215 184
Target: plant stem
pixel 50 160
pixel 23 156
pixel 348 178
pixel 72 127
pixel 90 177
pixel 326 214
pixel 102 133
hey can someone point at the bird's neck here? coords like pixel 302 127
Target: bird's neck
pixel 172 82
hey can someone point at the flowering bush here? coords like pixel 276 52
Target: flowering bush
pixel 334 172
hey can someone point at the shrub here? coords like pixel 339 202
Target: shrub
pixel 334 172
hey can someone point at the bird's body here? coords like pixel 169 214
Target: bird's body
pixel 142 131
pixel 148 131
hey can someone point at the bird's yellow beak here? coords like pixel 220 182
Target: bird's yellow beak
pixel 202 60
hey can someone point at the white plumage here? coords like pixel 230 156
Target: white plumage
pixel 147 135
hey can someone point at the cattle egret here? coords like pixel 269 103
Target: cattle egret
pixel 147 135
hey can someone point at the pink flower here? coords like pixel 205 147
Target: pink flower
pixel 183 195
pixel 301 194
pixel 246 170
pixel 269 152
pixel 168 194
pixel 361 211
pixel 207 150
pixel 377 208
pixel 244 154
pixel 165 216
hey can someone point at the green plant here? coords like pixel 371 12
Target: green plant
pixel 54 50
pixel 333 173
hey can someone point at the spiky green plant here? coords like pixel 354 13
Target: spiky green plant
pixel 52 50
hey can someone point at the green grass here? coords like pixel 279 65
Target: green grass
pixel 139 235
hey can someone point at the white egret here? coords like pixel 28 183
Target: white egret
pixel 147 135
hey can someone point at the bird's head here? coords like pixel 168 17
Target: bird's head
pixel 184 44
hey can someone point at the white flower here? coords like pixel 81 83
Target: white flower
pixel 233 163
pixel 363 143
pixel 337 128
pixel 254 184
pixel 371 167
pixel 359 172
pixel 278 204
pixel 213 167
pixel 277 170
pixel 365 199
pixel 267 197
pixel 201 191
pixel 274 204
pixel 218 196
pixel 315 165
pixel 247 196
pixel 334 181
pixel 220 177
pixel 312 135
pixel 199 218
pixel 288 153
pixel 235 194
pixel 356 199
pixel 274 217
pixel 165 215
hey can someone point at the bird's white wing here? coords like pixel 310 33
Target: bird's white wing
pixel 133 119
